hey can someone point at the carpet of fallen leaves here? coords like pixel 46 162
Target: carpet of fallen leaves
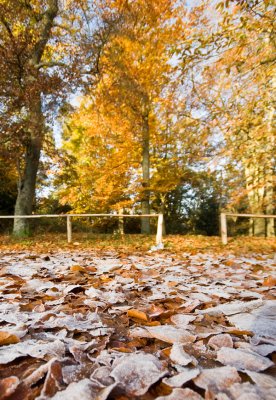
pixel 133 243
pixel 105 324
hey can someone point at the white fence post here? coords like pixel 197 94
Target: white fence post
pixel 159 229
pixel 69 229
pixel 223 228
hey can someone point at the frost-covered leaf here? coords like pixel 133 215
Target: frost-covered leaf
pixel 179 356
pixel 261 321
pixel 262 349
pixel 243 359
pixel 171 334
pixel 234 307
pixel 181 378
pixel 137 372
pixel 221 377
pixel 38 373
pixel 182 320
pixel 102 376
pixel 83 390
pixel 181 394
pixel 218 341
pixel 262 380
pixel 37 349
pixel 240 391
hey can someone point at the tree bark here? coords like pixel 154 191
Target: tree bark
pixel 35 134
pixel 145 203
pixel 27 183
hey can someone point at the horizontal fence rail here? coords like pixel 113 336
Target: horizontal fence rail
pixel 223 222
pixel 159 232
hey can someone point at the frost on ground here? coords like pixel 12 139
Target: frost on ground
pixel 155 326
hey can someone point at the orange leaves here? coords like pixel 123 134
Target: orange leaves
pixel 7 338
pixel 270 281
pixel 137 315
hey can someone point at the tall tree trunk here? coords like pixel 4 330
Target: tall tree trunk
pixel 145 203
pixel 270 195
pixel 27 182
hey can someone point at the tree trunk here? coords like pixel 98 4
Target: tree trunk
pixel 27 181
pixel 145 203
pixel 26 185
pixel 270 195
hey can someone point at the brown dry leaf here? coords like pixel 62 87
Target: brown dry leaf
pixel 122 349
pixel 77 268
pixel 8 386
pixel 53 381
pixel 242 359
pixel 137 314
pixel 8 338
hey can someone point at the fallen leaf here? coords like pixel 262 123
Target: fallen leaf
pixel 182 320
pixel 8 338
pixel 270 281
pixel 181 394
pixel 36 349
pixel 83 390
pixel 181 378
pixel 261 321
pixel 262 380
pixel 218 341
pixel 232 308
pixel 221 377
pixel 137 314
pixel 242 359
pixel 171 334
pixel 246 391
pixel 179 356
pixel 8 386
pixel 137 372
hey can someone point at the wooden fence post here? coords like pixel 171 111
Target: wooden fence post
pixel 159 229
pixel 121 222
pixel 69 229
pixel 223 228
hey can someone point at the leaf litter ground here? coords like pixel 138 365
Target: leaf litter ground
pixel 109 325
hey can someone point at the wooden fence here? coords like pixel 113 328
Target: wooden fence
pixel 223 222
pixel 69 217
